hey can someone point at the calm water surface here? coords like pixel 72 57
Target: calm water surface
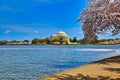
pixel 28 62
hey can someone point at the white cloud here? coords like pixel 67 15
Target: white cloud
pixel 51 1
pixel 80 32
pixel 7 8
pixel 18 28
pixel 36 31
pixel 7 31
pixel 27 31
pixel 43 0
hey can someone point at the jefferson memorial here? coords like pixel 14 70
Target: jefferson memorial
pixel 60 36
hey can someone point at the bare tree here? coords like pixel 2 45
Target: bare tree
pixel 99 17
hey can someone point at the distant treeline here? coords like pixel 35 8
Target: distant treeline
pixel 47 41
pixel 101 41
pixel 4 42
pixel 36 41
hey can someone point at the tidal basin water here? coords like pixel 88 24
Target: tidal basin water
pixel 30 62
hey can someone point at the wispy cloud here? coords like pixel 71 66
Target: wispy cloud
pixel 80 32
pixel 51 1
pixel 7 8
pixel 32 29
pixel 24 28
pixel 17 28
pixel 7 31
pixel 36 31
pixel 43 0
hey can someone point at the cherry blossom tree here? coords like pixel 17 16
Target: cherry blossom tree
pixel 99 17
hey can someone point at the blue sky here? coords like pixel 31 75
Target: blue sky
pixel 27 19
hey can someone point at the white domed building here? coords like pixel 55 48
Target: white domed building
pixel 60 36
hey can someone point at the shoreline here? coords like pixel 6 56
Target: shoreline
pixel 60 44
pixel 105 69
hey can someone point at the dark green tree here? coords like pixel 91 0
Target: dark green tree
pixel 35 41
pixel 74 39
pixel 26 41
pixel 61 41
pixel 3 42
